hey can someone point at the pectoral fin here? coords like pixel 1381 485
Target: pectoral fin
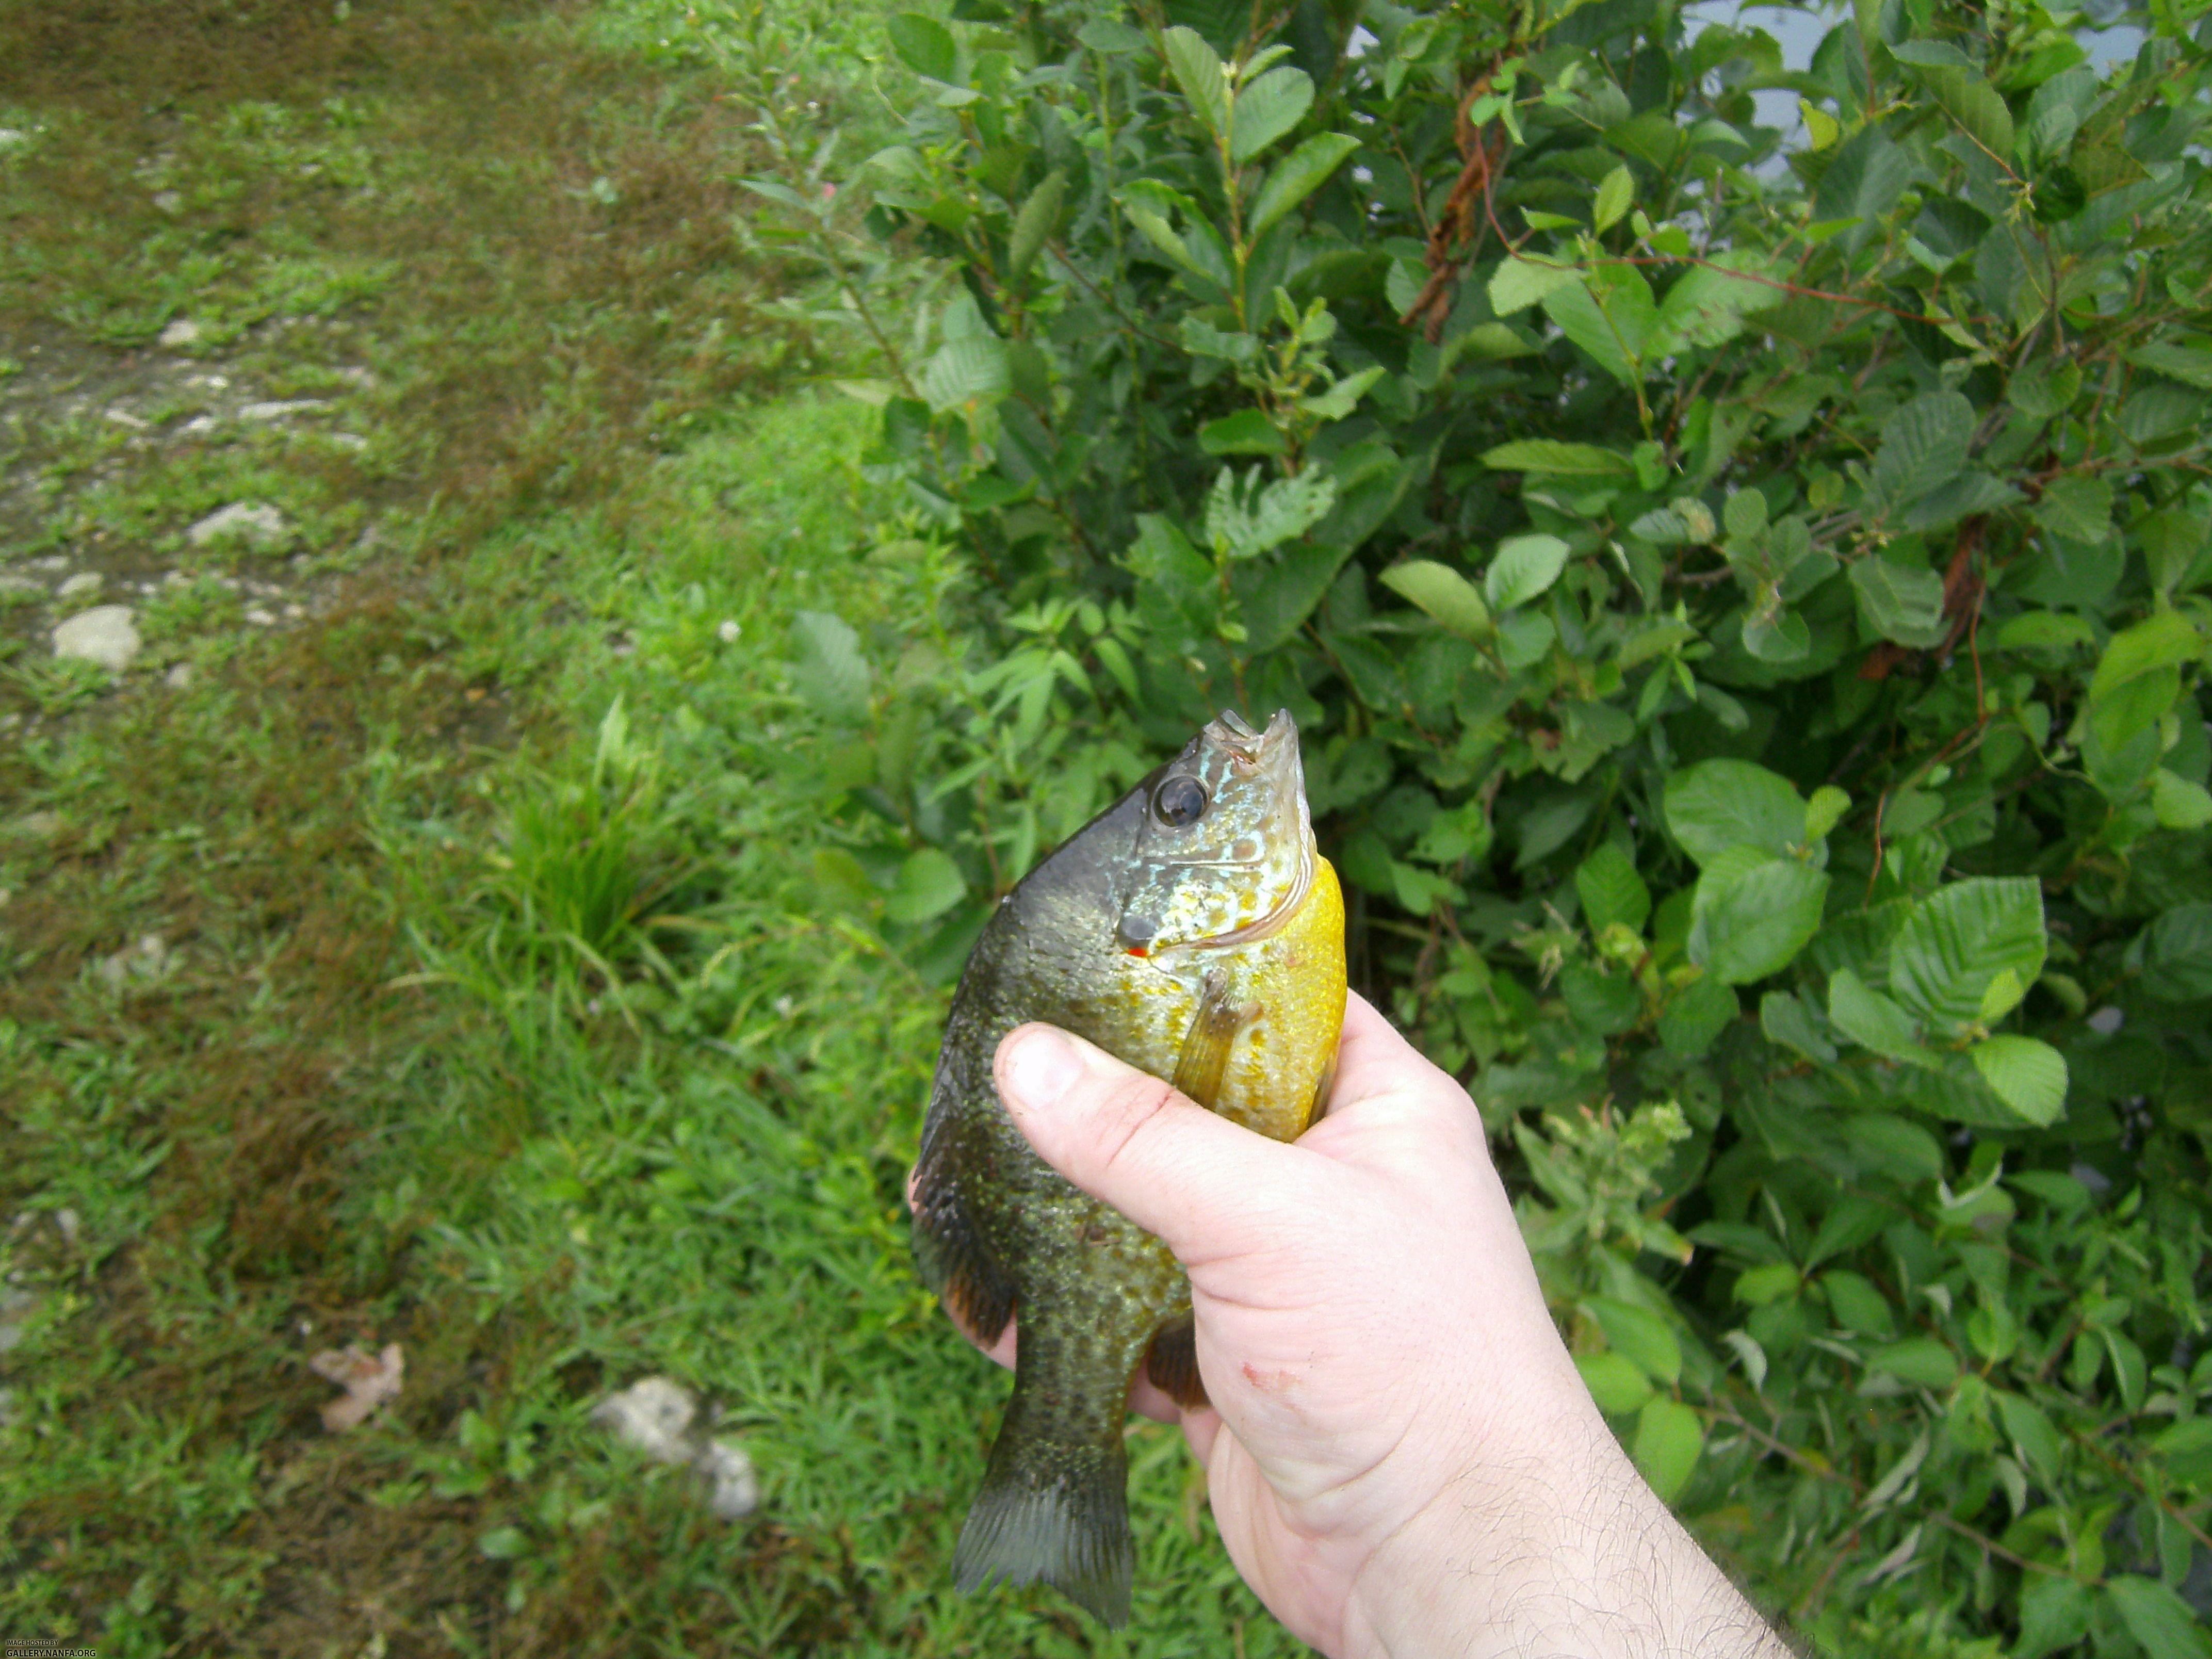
pixel 1205 1057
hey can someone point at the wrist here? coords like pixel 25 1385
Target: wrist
pixel 1561 1549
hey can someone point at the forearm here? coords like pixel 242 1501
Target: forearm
pixel 1570 1556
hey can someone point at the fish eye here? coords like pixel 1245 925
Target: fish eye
pixel 1179 802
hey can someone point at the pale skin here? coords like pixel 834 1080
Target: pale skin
pixel 1402 1459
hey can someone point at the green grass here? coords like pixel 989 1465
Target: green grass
pixel 560 1050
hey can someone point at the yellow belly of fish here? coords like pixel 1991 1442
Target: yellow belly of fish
pixel 1294 979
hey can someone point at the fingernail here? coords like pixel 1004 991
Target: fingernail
pixel 1040 1067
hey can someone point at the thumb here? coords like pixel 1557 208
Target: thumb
pixel 1205 1187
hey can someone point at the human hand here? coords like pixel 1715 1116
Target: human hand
pixel 1401 1455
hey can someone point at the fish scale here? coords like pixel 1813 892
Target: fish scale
pixel 1193 930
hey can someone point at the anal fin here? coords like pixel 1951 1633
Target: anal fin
pixel 1204 1060
pixel 1172 1365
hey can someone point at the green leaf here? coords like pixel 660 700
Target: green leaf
pixel 1873 1020
pixel 1035 223
pixel 1785 1020
pixel 1920 1360
pixel 1548 456
pixel 2176 953
pixel 1669 1438
pixel 2041 389
pixel 1957 84
pixel 1599 333
pixel 967 372
pixel 2027 1075
pixel 2054 1613
pixel 1900 604
pixel 2187 364
pixel 1295 177
pixel 929 884
pixel 1267 108
pixel 2166 1625
pixel 2164 640
pixel 830 674
pixel 2177 803
pixel 1696 1015
pixel 1198 71
pixel 1526 566
pixel 1923 445
pixel 1616 193
pixel 1518 283
pixel 924 45
pixel 1718 804
pixel 2079 509
pixel 2033 1431
pixel 1248 431
pixel 1824 811
pixel 1707 304
pixel 1245 519
pixel 1443 594
pixel 1640 1336
pixel 1748 923
pixel 1618 1387
pixel 1611 891
pixel 1958 939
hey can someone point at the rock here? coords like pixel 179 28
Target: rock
pixel 259 617
pixel 182 332
pixel 728 633
pixel 278 410
pixel 369 1379
pixel 16 1310
pixel 179 677
pixel 147 960
pixel 124 417
pixel 102 635
pixel 85 581
pixel 19 585
pixel 254 522
pixel 10 138
pixel 732 1489
pixel 169 201
pixel 654 1415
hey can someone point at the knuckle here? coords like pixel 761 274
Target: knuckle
pixel 1131 1109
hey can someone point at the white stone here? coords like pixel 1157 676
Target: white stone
pixel 259 617
pixel 352 440
pixel 19 585
pixel 124 417
pixel 199 427
pixel 102 635
pixel 732 1489
pixel 169 201
pixel 179 677
pixel 182 332
pixel 254 522
pixel 728 633
pixel 85 581
pixel 11 136
pixel 653 1414
pixel 360 377
pixel 278 408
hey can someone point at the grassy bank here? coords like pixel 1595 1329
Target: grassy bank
pixel 361 980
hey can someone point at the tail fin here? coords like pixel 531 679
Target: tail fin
pixel 1055 1511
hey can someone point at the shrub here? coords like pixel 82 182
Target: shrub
pixel 1746 605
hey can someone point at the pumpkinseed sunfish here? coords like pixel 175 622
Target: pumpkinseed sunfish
pixel 1193 930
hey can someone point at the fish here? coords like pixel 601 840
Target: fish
pixel 1193 930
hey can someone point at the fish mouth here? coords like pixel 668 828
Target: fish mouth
pixel 1275 753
